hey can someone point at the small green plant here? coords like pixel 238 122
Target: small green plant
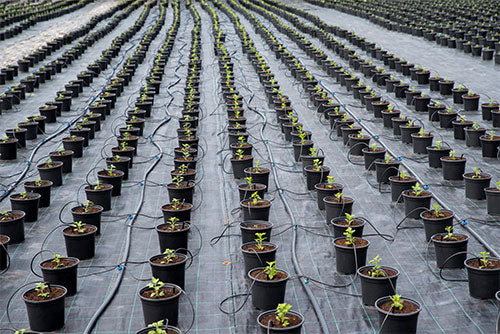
pixel 376 271
pixel 255 198
pixel 157 328
pixel 87 206
pixel 177 180
pixel 78 227
pixel 373 146
pixel 330 180
pixel 110 170
pixel 491 135
pixel 450 235
pixel 348 233
pixel 38 182
pixel 42 290
pixel 98 185
pixel 397 303
pixel 484 256
pixel 349 218
pixel 238 154
pixel 387 158
pixel 172 221
pixel 271 270
pixel 339 197
pixel 241 141
pixel 437 210
pixel 416 189
pixel 23 195
pixel 453 154
pixel 281 312
pixel 249 181
pixel 169 256
pixel 498 185
pixel 156 285
pixel 438 145
pixel 477 173
pixel 403 174
pixel 312 152
pixel 176 204
pixel 317 164
pixel 57 260
pixel 421 132
pixel 475 126
pixel 259 238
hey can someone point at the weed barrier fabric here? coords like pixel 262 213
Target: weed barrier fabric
pixel 217 271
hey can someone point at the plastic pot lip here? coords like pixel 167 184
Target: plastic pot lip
pixel 416 135
pixel 324 170
pixel 36 196
pixel 249 171
pixel 308 156
pixel 100 208
pixel 147 329
pixel 339 186
pixel 435 219
pixel 405 194
pixel 237 145
pixel 378 278
pixel 77 261
pixel 328 198
pixel 121 173
pixel 497 295
pixel 469 178
pixel 109 187
pixel 83 234
pixel 267 281
pixel 469 267
pixel 122 159
pixel 390 163
pixel 255 207
pixel 366 150
pixel 181 210
pixel 69 153
pixel 261 185
pixel 386 299
pixel 167 285
pixel 188 224
pixel 243 224
pixel 351 248
pixel 450 242
pixel 42 186
pixel 453 161
pixel 263 314
pixel 254 243
pixel 408 180
pixel 46 301
pixel 433 148
pixel 343 218
pixel 492 190
pixel 154 257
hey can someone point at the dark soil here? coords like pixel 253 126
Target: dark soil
pixel 10 216
pixel 260 274
pixel 271 321
pixel 422 194
pixel 253 187
pixel 261 203
pixel 252 248
pixel 450 158
pixel 442 214
pixel 3 239
pixel 388 272
pixel 408 307
pixel 27 197
pixel 181 185
pixel 92 209
pixel 344 200
pixel 59 153
pixel 345 223
pixel 480 176
pixel 178 227
pixel 71 230
pixel 175 259
pixel 101 187
pixel 259 170
pixel 493 264
pixel 256 226
pixel 63 261
pixel 33 183
pixel 169 292
pixel 244 157
pixel 187 172
pixel 456 237
pixel 357 241
pixel 182 207
pixel 326 186
pixel 54 293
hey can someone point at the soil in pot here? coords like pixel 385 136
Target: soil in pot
pixel 181 211
pixel 250 227
pixel 436 221
pixel 346 261
pixel 377 283
pixel 397 320
pixel 415 202
pixel 254 257
pixel 173 236
pixel 258 210
pixel 268 323
pixel 46 314
pixel 61 271
pixel 484 279
pixel 475 183
pixel 166 306
pixel 169 269
pixel 446 246
pixel 80 241
pixel 268 292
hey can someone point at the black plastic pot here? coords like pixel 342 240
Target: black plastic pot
pixel 89 218
pixel 248 232
pixel 65 276
pixel 323 191
pixel 471 103
pixel 53 173
pixel 122 164
pixel 472 136
pixel 261 177
pixel 46 315
pixel 43 190
pixel 483 283
pixel 114 180
pixel 492 201
pixel 184 194
pixel 384 170
pixel 260 212
pixel 239 166
pixel 308 160
pixel 459 129
pixel 173 273
pixel 81 246
pixel 346 261
pixel 314 177
pixel 66 159
pixel 414 205
pixel 29 206
pixel 446 119
pixel 434 225
pixel 446 249
pixel 75 145
pixel 183 214
pixel 14 228
pixel 265 329
pixel 400 322
pixel 245 193
pixel 453 169
pixel 373 288
pixel 300 148
pixel 4 256
pixel 169 329
pixel 267 294
pixel 420 143
pixel 254 259
pixel 406 133
pixel 371 156
pixel 489 146
pixel 339 229
pixel 162 308
pixel 398 186
pixel 100 197
pixel 474 187
pixel 387 118
pixel 435 155
pixel 8 149
pixel 336 209
pixel 173 239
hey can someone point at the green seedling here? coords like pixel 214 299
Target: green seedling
pixel 453 154
pixel 317 164
pixel 373 146
pixel 403 174
pixel 241 141
pixel 339 197
pixel 255 198
pixel 78 227
pixel 498 185
pixel 98 185
pixel 475 126
pixel 239 154
pixel 491 135
pixel 172 221
pixel 437 210
pixel 387 158
pixel 477 173
pixel 41 288
pixel 417 190
pixel 249 181
pixel 484 256
pixel 156 328
pixel 349 218
pixel 57 260
pixel 439 144
pixel 110 170
pixel 450 235
pixel 271 270
pixel 177 180
pixel 397 303
pixel 156 285
pixel 87 206
pixel 348 233
pixel 169 256
pixel 376 271
pixel 281 312
pixel 259 239
pixel 330 181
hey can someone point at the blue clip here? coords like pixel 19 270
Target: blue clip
pixel 464 222
pixel 359 120
pixel 319 81
pixel 4 191
pixel 333 93
pixel 399 159
pixel 68 124
pixel 150 137
pixel 131 217
pixel 343 105
pixel 43 140
pixel 426 187
pixel 141 184
pixel 273 164
pixel 157 157
pixel 263 124
pixel 28 163
pixel 295 228
pixel 306 281
pixel 93 97
pixel 119 268
pixel 377 137
pixel 282 192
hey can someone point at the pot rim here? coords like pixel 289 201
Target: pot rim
pixel 176 231
pixel 476 178
pixel 386 298
pixel 101 209
pixel 45 301
pixel 82 234
pixel 167 285
pixel 261 315
pixel 452 241
pixel 42 186
pixel 254 243
pixel 77 261
pixel 257 221
pixel 469 267
pixel 344 247
pixel 267 281
pixel 378 278
pixel 436 219
pixel 154 257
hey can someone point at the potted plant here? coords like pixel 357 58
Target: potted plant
pixel 489 144
pixel 484 275
pixel 487 108
pixel 407 130
pixel 246 189
pixel 100 194
pixel 258 174
pixel 64 156
pixel 472 135
pixel 316 173
pixel 112 176
pixel 436 220
pixel 74 144
pixel 8 148
pixel 447 118
pixel 41 187
pixel 268 286
pixel 340 224
pixel 388 115
pixel 282 320
pixel 243 145
pixel 350 252
pixel 400 183
pixel 447 245
pixel 88 213
pixel 471 101
pixel 458 93
pixel 459 127
pixel 256 253
pixel 177 208
pixel 371 154
pixel 337 206
pixel 169 267
pixel 4 253
pixel 416 200
pixel 308 159
pixel 377 281
pixel 493 199
pixel 357 142
pixel 250 227
pixel 80 240
pixel 27 202
pixel 173 235
pixel 239 162
pixel 51 171
pixel 385 168
pixel 255 208
pixel 397 314
pixel 453 166
pixel 45 306
pixel 61 271
pixel 180 189
pixel 120 163
pixel 475 183
pixel 160 301
pixel 436 152
pixel 326 189
pixel 159 328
